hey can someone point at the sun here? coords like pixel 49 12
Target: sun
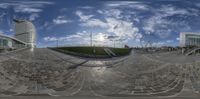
pixel 101 38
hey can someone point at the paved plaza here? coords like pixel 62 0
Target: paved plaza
pixel 44 72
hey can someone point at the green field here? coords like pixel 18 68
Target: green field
pixel 85 50
pixel 92 51
pixel 121 51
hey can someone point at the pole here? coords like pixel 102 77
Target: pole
pixel 57 43
pixel 122 44
pixel 91 39
pixel 114 43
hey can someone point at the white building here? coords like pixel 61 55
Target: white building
pixel 25 31
pixel 7 42
pixel 189 39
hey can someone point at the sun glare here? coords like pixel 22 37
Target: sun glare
pixel 101 38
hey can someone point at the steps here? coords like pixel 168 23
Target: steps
pixel 192 51
pixel 110 52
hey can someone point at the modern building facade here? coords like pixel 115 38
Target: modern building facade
pixel 189 39
pixel 7 42
pixel 25 35
pixel 25 31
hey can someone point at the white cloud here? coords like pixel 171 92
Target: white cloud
pixel 56 21
pixel 100 37
pixel 76 36
pixel 177 38
pixel 122 28
pixel 82 16
pixel 152 23
pixel 160 25
pixel 116 13
pixel 169 10
pixel 170 41
pixel 100 11
pixel 11 30
pixel 33 16
pixel 25 6
pixel 94 23
pixel 122 23
pixel 129 4
pixel 89 21
pixel 50 38
pixel 136 19
pixel 120 3
pixel 27 9
pixel 82 38
pixel 158 44
pixel 61 20
pixel 86 7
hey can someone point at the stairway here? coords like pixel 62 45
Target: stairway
pixel 110 52
pixel 192 51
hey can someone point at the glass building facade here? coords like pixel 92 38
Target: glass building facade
pixel 7 42
pixel 4 42
pixel 189 39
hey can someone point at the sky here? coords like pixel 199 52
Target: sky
pixel 132 22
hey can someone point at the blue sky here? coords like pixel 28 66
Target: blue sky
pixel 133 22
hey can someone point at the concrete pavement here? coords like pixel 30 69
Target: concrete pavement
pixel 44 72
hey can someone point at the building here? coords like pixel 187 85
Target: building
pixel 25 31
pixel 7 42
pixel 24 36
pixel 189 39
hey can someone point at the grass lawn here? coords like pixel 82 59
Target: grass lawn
pixel 85 50
pixel 121 51
pixel 99 51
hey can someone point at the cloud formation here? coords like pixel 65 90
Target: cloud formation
pixel 113 25
pixel 81 38
pixel 33 16
pixel 25 6
pixel 61 20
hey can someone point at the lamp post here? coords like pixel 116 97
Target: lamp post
pixel 114 43
pixel 57 43
pixel 91 39
pixel 113 39
pixel 121 40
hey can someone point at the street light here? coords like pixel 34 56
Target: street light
pixel 121 40
pixel 91 39
pixel 57 43
pixel 112 38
